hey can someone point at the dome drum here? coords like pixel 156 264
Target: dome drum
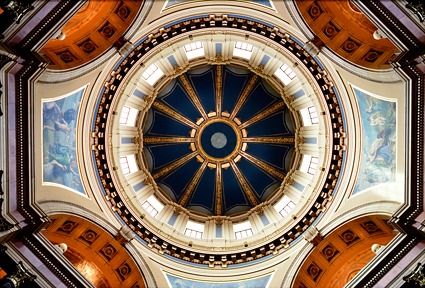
pixel 324 189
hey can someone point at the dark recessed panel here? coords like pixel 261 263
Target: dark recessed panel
pixel 164 125
pixel 179 100
pixel 259 100
pixel 205 193
pixel 204 86
pixel 167 153
pixel 234 194
pixel 272 154
pixel 233 85
pixel 179 178
pixel 258 178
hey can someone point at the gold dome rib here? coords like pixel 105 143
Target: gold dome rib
pixel 245 186
pixel 174 165
pixel 218 191
pixel 270 140
pixel 192 185
pixel 244 96
pixel 219 89
pixel 264 166
pixel 264 114
pixel 174 114
pixel 163 140
pixel 192 94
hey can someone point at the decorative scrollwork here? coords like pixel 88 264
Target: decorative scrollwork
pixel 417 276
pixel 417 7
pixel 19 277
pixel 17 9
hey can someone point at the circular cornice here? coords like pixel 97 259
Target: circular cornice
pixel 330 170
pixel 204 136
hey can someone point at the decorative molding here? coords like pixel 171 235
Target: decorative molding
pixel 65 9
pixel 4 224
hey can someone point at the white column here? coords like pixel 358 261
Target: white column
pixel 165 214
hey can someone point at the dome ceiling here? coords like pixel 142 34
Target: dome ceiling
pixel 178 111
pixel 218 140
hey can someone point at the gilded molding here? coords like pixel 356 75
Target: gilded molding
pixel 244 96
pixel 192 185
pixel 174 165
pixel 192 95
pixel 245 185
pixel 219 89
pixel 276 107
pixel 169 111
pixel 219 191
pixel 266 167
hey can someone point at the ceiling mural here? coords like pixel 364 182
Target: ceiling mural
pixel 178 282
pixel 59 141
pixel 378 117
pixel 170 3
pixel 219 140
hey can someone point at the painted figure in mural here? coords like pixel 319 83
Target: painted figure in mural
pixel 379 141
pixel 59 141
pixel 380 154
pixel 52 112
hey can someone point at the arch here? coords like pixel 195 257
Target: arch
pixel 343 252
pixel 99 256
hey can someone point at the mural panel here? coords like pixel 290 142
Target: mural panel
pixel 177 282
pixel 378 163
pixel 170 3
pixel 59 141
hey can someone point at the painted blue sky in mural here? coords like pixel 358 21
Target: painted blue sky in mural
pixel 176 282
pixel 378 163
pixel 59 141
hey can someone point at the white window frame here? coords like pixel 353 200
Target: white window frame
pixel 128 164
pixel 243 50
pixel 314 117
pixel 309 164
pixel 242 230
pixel 152 206
pixel 284 206
pixel 194 229
pixel 285 74
pixel 128 116
pixel 309 116
pixel 152 74
pixel 194 50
